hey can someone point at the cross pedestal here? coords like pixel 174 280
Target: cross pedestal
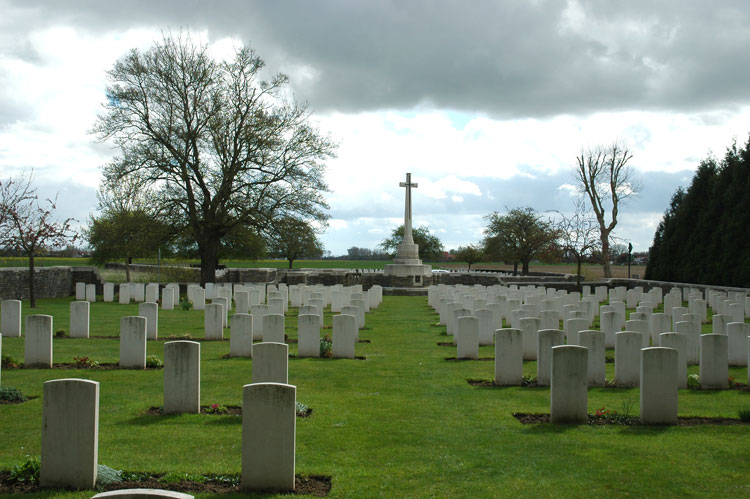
pixel 407 269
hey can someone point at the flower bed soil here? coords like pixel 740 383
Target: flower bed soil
pixel 529 418
pixel 231 410
pixel 314 485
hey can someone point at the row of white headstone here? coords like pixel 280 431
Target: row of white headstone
pixel 477 326
pixel 70 434
pixel 569 387
pixel 334 296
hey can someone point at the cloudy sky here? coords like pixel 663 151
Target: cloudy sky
pixel 486 103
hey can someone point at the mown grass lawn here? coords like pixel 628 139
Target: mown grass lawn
pixel 403 422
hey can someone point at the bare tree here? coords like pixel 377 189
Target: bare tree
pixel 578 235
pixel 29 227
pixel 217 146
pixel 604 175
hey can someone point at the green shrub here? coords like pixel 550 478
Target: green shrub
pixel 84 362
pixel 325 346
pixel 744 415
pixel 106 475
pixel 9 362
pixel 694 382
pixel 28 471
pixel 153 361
pixel 60 333
pixel 186 304
pixel 216 409
pixel 10 394
pixel 301 409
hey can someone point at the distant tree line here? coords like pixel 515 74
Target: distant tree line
pixel 703 236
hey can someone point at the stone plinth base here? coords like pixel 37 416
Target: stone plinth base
pixel 398 269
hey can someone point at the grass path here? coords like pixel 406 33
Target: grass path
pixel 403 422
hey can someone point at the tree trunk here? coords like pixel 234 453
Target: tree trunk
pixel 605 255
pixel 579 260
pixel 128 261
pixel 525 267
pixel 209 251
pixel 515 268
pixel 469 267
pixel 291 260
pixel 32 298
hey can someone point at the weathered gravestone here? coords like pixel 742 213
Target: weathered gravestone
pixel 241 335
pixel 270 363
pixel 10 318
pixel 268 436
pixel 79 319
pixel 569 384
pixel 658 394
pixel 344 334
pixel 38 341
pixel 308 333
pixel 70 434
pixel 150 311
pixel 182 377
pixel 133 342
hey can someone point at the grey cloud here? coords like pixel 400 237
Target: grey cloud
pixel 498 58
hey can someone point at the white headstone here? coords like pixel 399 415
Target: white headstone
pixel 268 436
pixel 714 362
pixel 79 319
pixel 658 394
pixel 133 342
pixel 213 321
pixel 547 338
pixel 569 384
pixel 109 292
pixel 273 328
pixel 270 363
pixel 151 312
pixel 344 333
pixel 38 341
pixel 308 335
pixel 594 341
pixel 70 434
pixel 10 318
pixel 628 346
pixel 508 357
pixel 182 377
pixel 678 342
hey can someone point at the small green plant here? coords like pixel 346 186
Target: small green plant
pixel 528 380
pixel 301 409
pixel 84 362
pixel 9 362
pixel 60 333
pixel 186 304
pixel 106 475
pixel 10 394
pixel 325 346
pixel 627 409
pixel 153 361
pixel 216 409
pixel 732 382
pixel 694 382
pixel 27 472
pixel 744 415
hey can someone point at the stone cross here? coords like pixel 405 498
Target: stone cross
pixel 407 209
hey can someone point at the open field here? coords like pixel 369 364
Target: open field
pixel 402 422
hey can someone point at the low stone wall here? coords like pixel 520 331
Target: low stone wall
pixel 49 282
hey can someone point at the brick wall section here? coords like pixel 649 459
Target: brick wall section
pixel 49 282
